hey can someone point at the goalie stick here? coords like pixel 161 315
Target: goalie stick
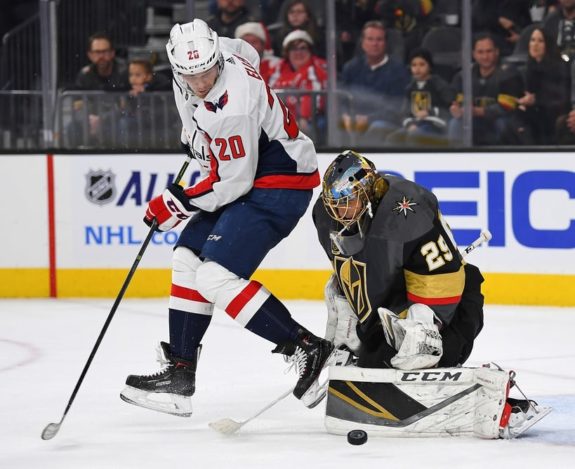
pixel 52 429
pixel 229 426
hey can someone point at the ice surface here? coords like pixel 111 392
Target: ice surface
pixel 45 343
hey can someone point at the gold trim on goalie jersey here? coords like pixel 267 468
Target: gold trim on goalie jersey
pixel 352 277
pixel 436 289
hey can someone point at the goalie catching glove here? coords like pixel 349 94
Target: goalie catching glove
pixel 416 338
pixel 169 209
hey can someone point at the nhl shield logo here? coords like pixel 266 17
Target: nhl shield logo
pixel 100 187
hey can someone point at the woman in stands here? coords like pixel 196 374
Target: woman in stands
pixel 546 87
pixel 297 14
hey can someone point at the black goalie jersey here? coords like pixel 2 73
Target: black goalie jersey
pixel 409 256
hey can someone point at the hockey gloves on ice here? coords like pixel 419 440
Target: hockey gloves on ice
pixel 169 209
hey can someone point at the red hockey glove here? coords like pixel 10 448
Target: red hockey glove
pixel 169 209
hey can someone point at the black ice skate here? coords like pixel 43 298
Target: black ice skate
pixel 169 390
pixel 310 357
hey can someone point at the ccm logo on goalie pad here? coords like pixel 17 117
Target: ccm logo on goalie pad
pixel 431 376
pixel 176 210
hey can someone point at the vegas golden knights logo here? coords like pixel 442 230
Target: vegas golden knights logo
pixel 420 101
pixel 352 277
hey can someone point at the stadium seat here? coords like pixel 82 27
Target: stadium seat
pixel 444 43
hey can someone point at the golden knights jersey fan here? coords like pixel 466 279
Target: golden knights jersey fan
pixel 401 283
pixel 258 171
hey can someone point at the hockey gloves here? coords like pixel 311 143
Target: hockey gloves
pixel 416 338
pixel 169 209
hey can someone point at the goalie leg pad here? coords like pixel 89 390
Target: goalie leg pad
pixel 432 402
pixel 341 318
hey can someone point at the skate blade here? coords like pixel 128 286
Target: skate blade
pixel 315 394
pixel 172 404
pixel 531 420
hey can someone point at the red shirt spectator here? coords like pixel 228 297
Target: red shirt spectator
pixel 300 69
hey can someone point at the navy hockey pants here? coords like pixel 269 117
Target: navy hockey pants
pixel 239 235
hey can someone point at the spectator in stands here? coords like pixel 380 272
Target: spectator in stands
pixel 412 18
pixel 350 16
pixel 504 19
pixel 300 69
pixel 298 15
pixel 496 89
pixel 546 87
pixel 136 123
pixel 425 110
pixel 377 83
pixel 230 14
pixel 560 25
pixel 254 33
pixel 566 128
pixel 105 73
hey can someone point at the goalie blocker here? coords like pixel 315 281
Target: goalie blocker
pixel 431 402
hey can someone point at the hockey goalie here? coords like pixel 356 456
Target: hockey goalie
pixel 404 309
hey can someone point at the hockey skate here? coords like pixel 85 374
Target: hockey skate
pixel 340 356
pixel 311 356
pixel 519 415
pixel 167 391
pixel 523 415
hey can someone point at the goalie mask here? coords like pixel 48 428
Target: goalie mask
pixel 351 189
pixel 193 49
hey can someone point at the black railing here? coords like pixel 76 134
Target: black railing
pixel 117 121
pixel 21 120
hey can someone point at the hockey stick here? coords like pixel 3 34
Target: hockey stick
pixel 51 430
pixel 228 426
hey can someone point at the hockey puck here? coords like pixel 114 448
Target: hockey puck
pixel 356 437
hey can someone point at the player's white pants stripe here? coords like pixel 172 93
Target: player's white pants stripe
pixel 189 301
pixel 184 295
pixel 245 305
pixel 240 298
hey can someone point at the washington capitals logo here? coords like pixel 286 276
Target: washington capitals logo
pixel 404 205
pixel 219 105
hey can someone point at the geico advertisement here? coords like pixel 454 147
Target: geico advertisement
pixel 527 201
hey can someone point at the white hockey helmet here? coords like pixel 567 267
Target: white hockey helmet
pixel 193 48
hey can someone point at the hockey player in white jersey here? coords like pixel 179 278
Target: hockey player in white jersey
pixel 258 174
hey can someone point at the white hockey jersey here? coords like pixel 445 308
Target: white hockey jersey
pixel 242 135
